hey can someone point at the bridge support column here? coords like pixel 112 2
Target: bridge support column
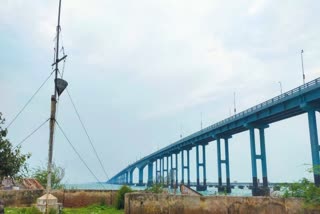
pixel 131 176
pixel 314 146
pixel 166 170
pixel 263 160
pixel 141 176
pixel 150 174
pixel 200 187
pixel 188 166
pixel 176 171
pixel 172 170
pixel 127 178
pixel 256 190
pixel 158 171
pixel 162 170
pixel 221 187
pixel 182 166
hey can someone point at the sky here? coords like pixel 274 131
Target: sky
pixel 141 73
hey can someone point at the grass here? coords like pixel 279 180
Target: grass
pixel 94 209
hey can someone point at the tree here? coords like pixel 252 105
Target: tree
pixel 12 162
pixel 120 196
pixel 41 174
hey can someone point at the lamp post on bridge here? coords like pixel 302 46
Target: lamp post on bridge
pixel 303 76
pixel 280 84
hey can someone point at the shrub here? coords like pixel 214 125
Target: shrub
pixel 304 189
pixel 120 196
pixel 155 188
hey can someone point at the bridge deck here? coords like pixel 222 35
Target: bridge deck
pixel 286 105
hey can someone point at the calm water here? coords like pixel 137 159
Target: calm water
pixel 210 191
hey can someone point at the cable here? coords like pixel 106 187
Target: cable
pixel 74 149
pixel 32 133
pixel 29 101
pixel 85 130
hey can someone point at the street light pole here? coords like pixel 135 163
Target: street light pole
pixel 234 103
pixel 280 87
pixel 303 76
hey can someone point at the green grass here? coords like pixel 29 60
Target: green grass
pixel 94 209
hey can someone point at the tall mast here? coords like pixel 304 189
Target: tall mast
pixel 57 92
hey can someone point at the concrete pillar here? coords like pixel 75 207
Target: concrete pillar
pixel 226 146
pixel 188 167
pixel 204 166
pixel 182 167
pixel 150 174
pixel 172 170
pixel 219 163
pixel 141 176
pixel 314 145
pixel 176 170
pixel 263 158
pixel 131 177
pixel 253 162
pixel 197 165
pixel 162 170
pixel 127 178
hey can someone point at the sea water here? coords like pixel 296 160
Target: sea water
pixel 103 186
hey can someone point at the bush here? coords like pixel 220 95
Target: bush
pixel 155 188
pixel 304 189
pixel 120 196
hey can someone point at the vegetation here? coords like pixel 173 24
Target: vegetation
pixel 304 189
pixel 96 209
pixel 155 188
pixel 120 196
pixel 12 162
pixel 41 174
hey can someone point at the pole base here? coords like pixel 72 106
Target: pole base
pixel 201 187
pixel 260 191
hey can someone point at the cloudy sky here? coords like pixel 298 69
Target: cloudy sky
pixel 142 72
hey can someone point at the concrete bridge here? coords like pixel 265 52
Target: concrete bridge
pixel 300 100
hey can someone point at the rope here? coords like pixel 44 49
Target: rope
pixel 29 100
pixel 34 131
pixel 85 130
pixel 82 160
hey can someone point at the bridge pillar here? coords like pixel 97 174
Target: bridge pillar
pixel 162 170
pixel 256 190
pixel 176 171
pixel 168 172
pixel 314 145
pixel 222 188
pixel 158 171
pixel 150 174
pixel 182 166
pixel 141 176
pixel 165 172
pixel 131 177
pixel 200 187
pixel 188 166
pixel 263 159
pixel 171 171
pixel 127 178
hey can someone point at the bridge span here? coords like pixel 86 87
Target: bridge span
pixel 300 100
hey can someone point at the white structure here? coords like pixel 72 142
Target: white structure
pixel 52 203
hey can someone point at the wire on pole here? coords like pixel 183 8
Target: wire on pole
pixel 29 100
pixel 74 149
pixel 34 131
pixel 89 138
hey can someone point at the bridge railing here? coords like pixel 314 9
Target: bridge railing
pixel 272 101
